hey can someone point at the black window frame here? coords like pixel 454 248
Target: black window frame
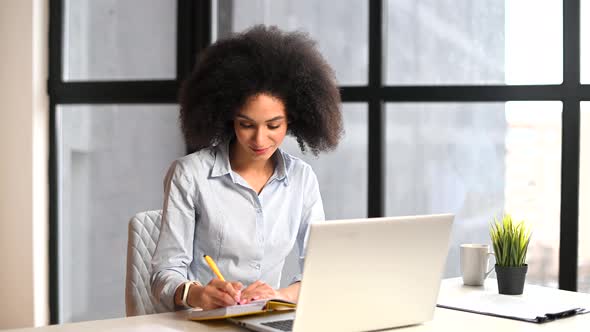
pixel 194 33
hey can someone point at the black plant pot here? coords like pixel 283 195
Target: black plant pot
pixel 511 279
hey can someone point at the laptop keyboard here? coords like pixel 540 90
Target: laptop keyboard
pixel 283 325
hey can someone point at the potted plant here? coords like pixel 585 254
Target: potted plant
pixel 510 241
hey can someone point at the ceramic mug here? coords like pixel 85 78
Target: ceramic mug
pixel 474 263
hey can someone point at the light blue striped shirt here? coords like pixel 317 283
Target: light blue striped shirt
pixel 210 209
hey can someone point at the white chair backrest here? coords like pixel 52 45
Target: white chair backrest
pixel 144 230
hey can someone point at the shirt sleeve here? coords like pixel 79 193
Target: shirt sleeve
pixel 173 253
pixel 313 211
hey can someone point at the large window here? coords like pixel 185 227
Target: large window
pixel 114 131
pixel 478 160
pixel 111 164
pixel 449 106
pixel 119 40
pixel 473 42
pixel 343 44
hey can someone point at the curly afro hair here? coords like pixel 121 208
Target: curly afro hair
pixel 262 60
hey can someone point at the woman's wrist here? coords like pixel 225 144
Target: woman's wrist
pixel 194 295
pixel 291 292
pixel 285 294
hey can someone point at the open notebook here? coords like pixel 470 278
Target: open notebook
pixel 255 307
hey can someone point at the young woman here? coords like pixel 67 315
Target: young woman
pixel 239 198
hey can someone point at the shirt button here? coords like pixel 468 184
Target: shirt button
pixel 257 266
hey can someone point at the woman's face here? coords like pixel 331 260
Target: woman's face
pixel 260 126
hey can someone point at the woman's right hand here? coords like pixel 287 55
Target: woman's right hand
pixel 215 294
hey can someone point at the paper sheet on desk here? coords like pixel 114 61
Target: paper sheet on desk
pixel 534 302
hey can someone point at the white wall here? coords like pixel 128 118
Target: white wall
pixel 23 163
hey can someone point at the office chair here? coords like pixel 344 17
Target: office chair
pixel 144 230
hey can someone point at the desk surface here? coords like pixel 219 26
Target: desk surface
pixel 444 320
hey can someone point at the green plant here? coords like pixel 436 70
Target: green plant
pixel 510 241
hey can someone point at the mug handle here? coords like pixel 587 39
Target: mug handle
pixel 492 269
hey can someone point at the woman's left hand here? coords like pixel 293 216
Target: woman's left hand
pixel 259 290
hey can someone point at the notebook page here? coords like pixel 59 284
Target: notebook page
pixel 229 311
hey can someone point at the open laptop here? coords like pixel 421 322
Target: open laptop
pixel 366 274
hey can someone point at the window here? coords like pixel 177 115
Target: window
pixel 502 97
pixel 343 189
pixel 477 161
pixel 112 160
pixel 466 42
pixel 344 45
pixel 119 40
pixel 114 131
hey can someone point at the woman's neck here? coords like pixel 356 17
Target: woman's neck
pixel 241 163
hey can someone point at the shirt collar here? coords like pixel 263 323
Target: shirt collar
pixel 222 166
pixel 282 166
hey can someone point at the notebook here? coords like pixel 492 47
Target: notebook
pixel 366 274
pixel 252 308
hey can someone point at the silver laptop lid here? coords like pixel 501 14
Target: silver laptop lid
pixel 369 274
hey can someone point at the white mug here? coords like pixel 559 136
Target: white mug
pixel 474 263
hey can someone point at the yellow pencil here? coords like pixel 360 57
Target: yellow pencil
pixel 214 267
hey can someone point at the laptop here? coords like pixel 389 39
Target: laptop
pixel 366 274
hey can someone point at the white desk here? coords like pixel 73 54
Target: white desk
pixel 444 320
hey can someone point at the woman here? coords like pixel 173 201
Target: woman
pixel 239 198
